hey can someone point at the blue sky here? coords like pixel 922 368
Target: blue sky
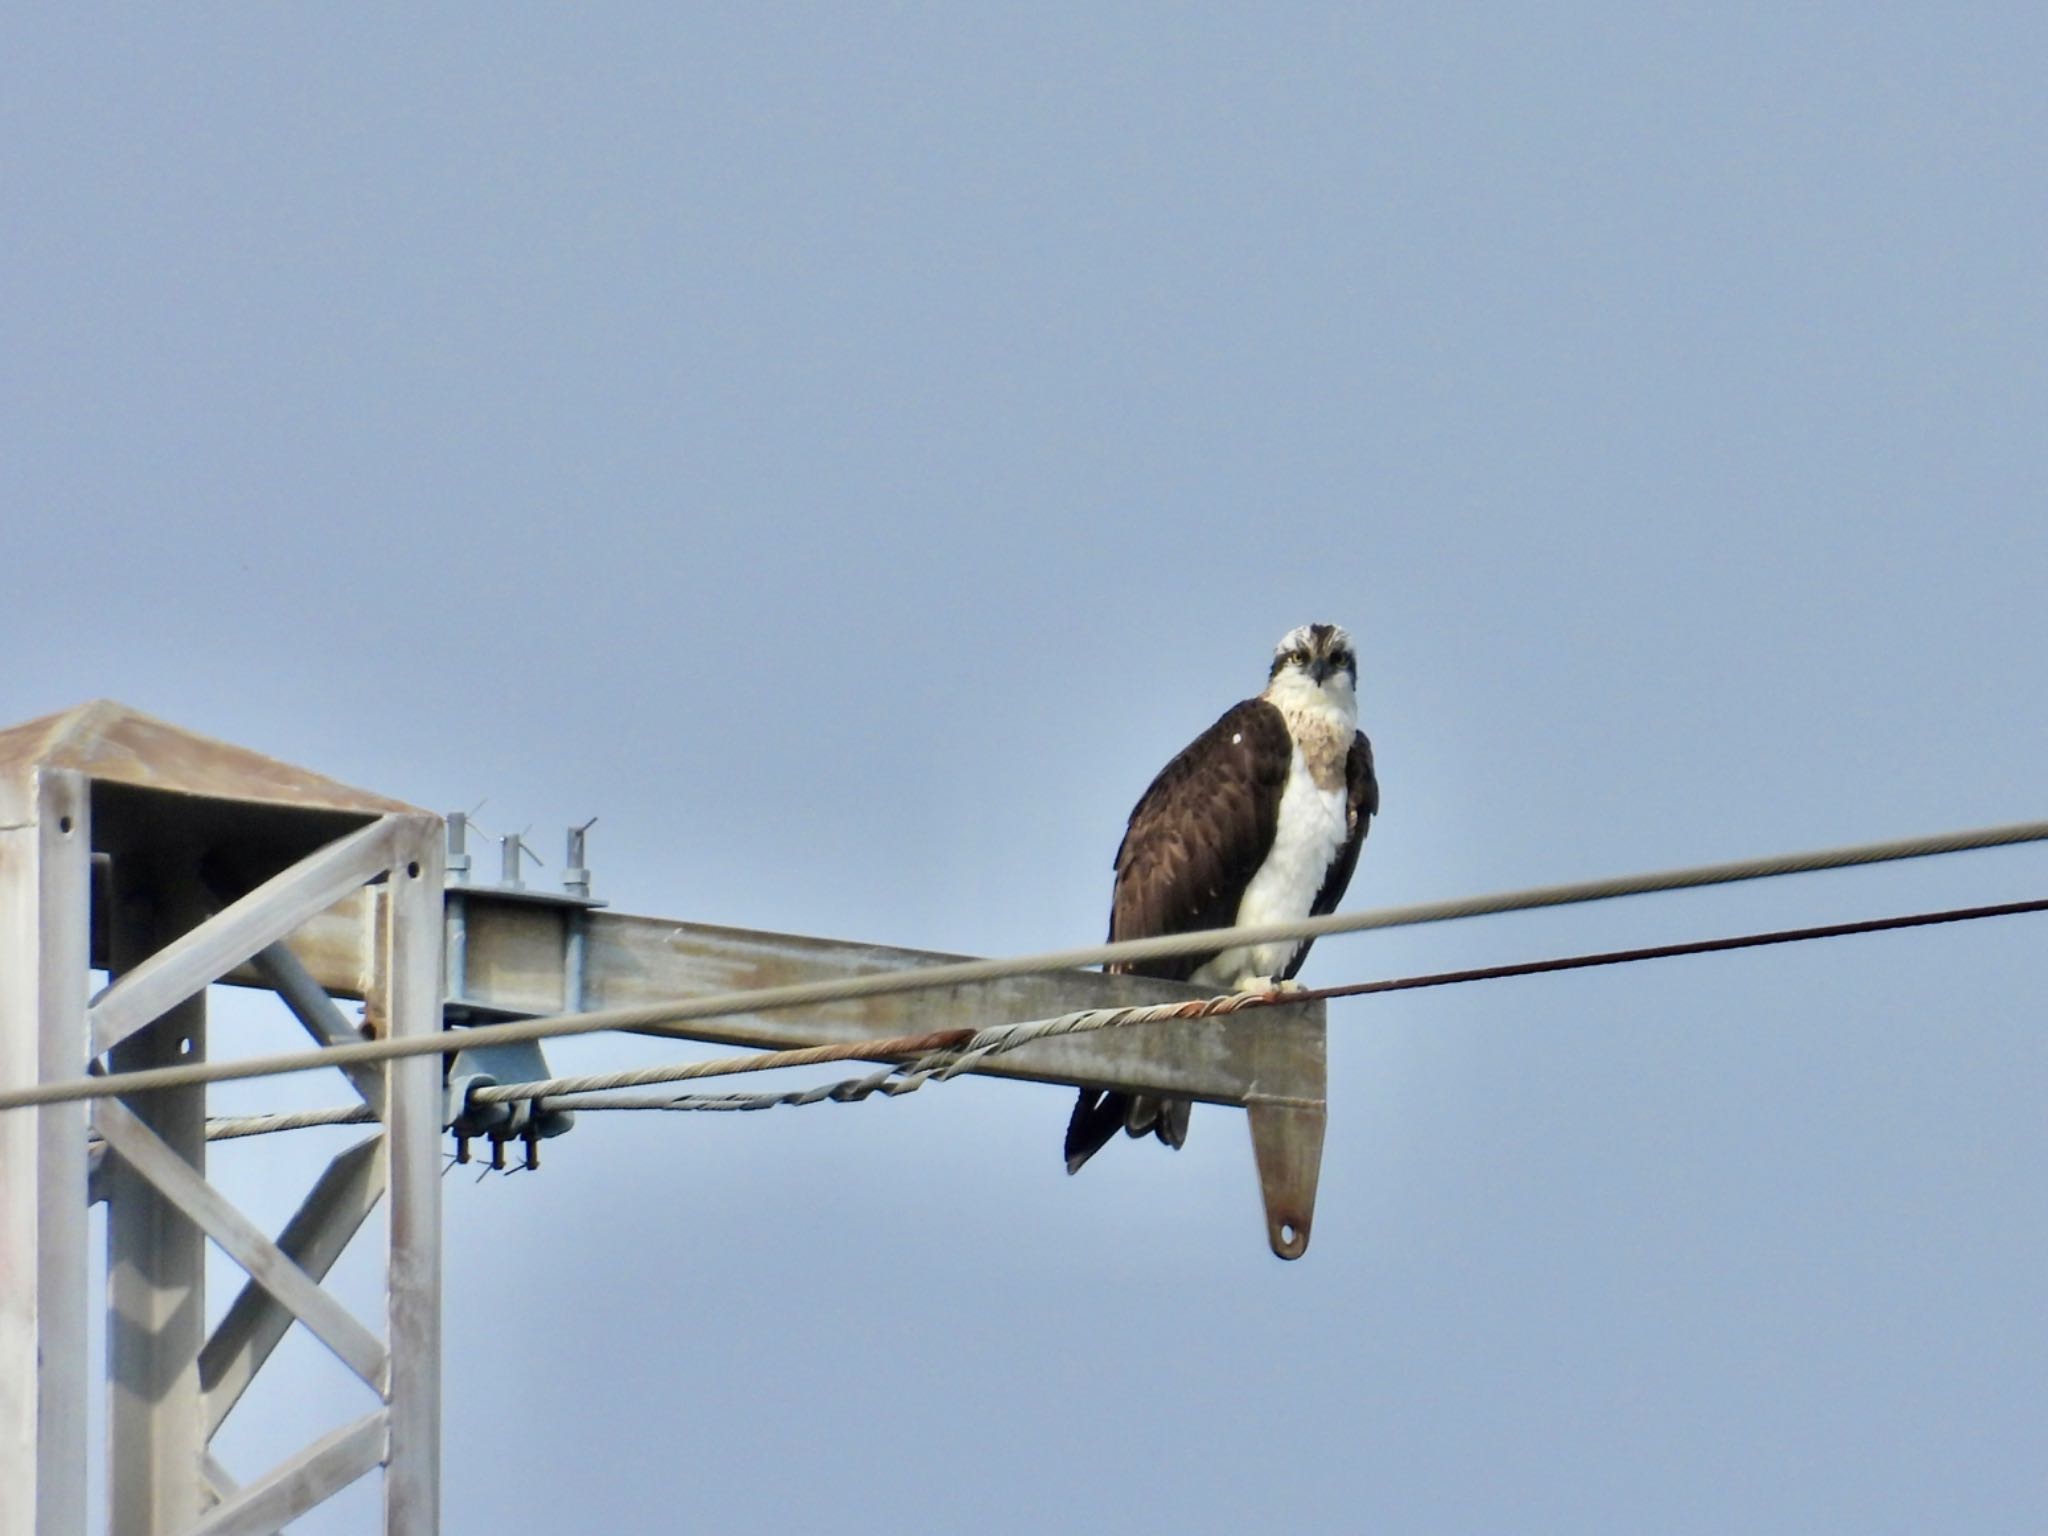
pixel 848 450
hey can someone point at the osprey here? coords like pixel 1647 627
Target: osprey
pixel 1259 820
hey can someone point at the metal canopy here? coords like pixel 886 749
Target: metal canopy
pixel 176 861
pixel 110 743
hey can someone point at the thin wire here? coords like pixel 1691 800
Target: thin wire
pixel 946 1053
pixel 1672 951
pixel 229 1127
pixel 965 972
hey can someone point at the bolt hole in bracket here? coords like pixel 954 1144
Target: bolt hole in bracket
pixel 1287 1143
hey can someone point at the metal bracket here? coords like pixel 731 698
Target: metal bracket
pixel 1287 1143
pixel 574 901
pixel 487 1066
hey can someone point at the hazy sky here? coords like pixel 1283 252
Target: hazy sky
pixel 849 449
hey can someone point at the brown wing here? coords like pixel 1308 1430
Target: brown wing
pixel 1362 804
pixel 1199 834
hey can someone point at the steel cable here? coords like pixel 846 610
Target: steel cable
pixel 967 972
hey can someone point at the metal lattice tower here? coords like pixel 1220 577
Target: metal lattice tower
pixel 172 861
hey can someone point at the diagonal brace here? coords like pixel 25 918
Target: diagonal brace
pixel 312 1007
pixel 334 1210
pixel 147 1153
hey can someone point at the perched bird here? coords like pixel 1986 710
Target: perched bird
pixel 1259 820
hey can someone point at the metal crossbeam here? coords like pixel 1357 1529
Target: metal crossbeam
pixel 522 955
pixel 515 962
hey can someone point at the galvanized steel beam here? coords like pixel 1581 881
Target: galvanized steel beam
pixel 156 1254
pixel 45 879
pixel 407 996
pixel 522 953
pixel 514 956
pixel 1272 1062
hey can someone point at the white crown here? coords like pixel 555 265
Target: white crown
pixel 1302 638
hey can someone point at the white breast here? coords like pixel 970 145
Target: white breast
pixel 1310 833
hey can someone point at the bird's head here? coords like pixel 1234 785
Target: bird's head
pixel 1315 657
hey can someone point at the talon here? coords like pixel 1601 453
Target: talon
pixel 1264 985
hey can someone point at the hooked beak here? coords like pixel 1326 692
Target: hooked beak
pixel 1320 669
